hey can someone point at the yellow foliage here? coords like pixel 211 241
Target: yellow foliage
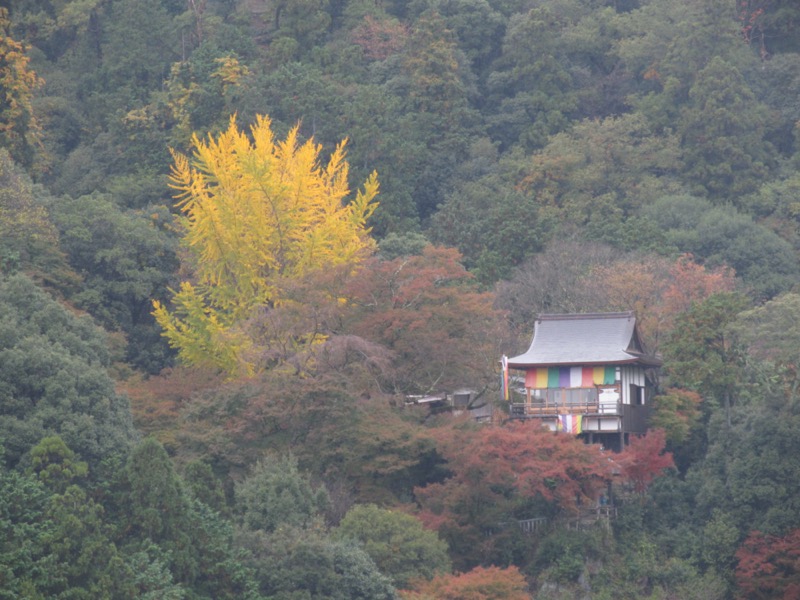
pixel 230 71
pixel 19 130
pixel 256 211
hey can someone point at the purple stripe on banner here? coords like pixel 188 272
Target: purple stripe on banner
pixel 563 377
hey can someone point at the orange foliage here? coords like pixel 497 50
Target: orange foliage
pixel 501 474
pixel 379 39
pixel 658 290
pixel 690 282
pixel 495 466
pixel 769 566
pixel 19 130
pixel 156 402
pixel 491 583
pixel 428 311
pixel 644 459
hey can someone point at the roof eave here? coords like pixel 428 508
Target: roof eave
pixel 644 361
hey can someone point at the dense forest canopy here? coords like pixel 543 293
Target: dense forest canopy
pixel 236 235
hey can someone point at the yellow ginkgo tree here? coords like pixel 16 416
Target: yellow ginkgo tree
pixel 256 213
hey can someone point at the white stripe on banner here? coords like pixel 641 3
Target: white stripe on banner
pixel 575 377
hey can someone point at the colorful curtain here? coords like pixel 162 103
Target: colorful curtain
pixel 569 377
pixel 570 423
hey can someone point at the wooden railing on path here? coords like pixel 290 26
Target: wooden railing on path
pixel 586 519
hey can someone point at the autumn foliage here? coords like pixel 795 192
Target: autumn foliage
pixel 769 566
pixel 19 130
pixel 156 402
pixel 379 39
pixel 519 458
pixel 490 583
pixel 427 310
pixel 659 290
pixel 644 459
pixel 256 212
pixel 500 474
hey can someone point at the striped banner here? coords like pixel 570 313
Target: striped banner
pixel 569 377
pixel 577 424
pixel 570 424
pixel 504 377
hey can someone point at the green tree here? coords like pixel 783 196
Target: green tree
pixel 151 577
pixel 54 380
pixel 766 263
pixel 140 44
pixel 770 334
pixel 55 465
pixel 664 45
pixel 491 221
pixel 677 412
pixel 602 172
pixel 743 484
pixel 23 501
pixel 85 561
pixel 157 505
pixel 28 238
pixel 302 563
pixel 302 24
pixel 401 548
pixel 384 137
pixel 530 85
pixel 702 354
pixel 277 494
pixel 478 27
pixel 159 517
pixel 435 85
pixel 205 486
pixel 767 25
pixel 723 134
pixel 125 258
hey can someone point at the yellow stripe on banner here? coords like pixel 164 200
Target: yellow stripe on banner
pixel 541 378
pixel 598 375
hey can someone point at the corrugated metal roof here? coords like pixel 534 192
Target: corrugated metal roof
pixel 584 339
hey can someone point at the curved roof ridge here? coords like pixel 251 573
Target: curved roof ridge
pixel 584 338
pixel 577 316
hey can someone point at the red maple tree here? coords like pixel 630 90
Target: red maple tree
pixel 503 473
pixel 769 566
pixel 644 459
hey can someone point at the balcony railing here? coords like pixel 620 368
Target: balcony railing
pixel 538 409
pixel 631 418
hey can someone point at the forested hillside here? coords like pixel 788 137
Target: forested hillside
pixel 237 235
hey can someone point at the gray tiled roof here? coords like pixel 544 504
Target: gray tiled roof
pixel 584 339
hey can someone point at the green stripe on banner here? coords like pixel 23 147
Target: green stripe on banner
pixel 610 375
pixel 552 377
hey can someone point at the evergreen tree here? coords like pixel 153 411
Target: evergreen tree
pixel 54 380
pixel 722 131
